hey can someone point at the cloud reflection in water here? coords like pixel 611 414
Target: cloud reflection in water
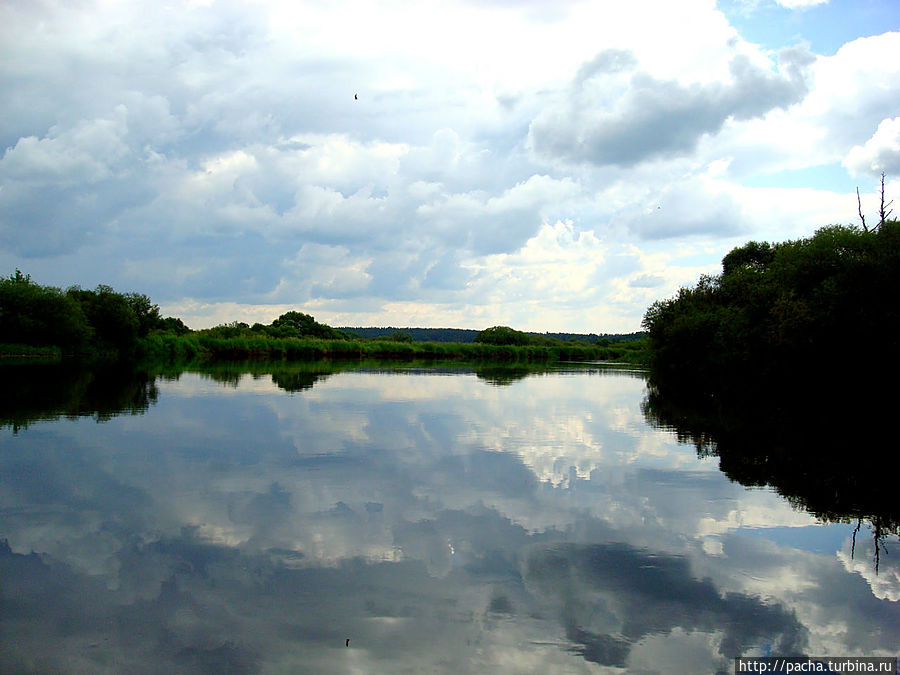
pixel 439 522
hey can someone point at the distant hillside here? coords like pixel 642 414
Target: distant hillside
pixel 468 335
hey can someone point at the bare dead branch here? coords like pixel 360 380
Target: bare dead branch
pixel 861 216
pixel 884 214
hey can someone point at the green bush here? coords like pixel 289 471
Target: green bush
pixel 779 311
pixel 503 335
pixel 41 315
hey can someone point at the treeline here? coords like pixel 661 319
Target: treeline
pixel 412 334
pixel 469 335
pixel 76 320
pixel 803 311
pixel 504 335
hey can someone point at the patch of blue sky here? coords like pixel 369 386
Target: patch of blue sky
pixel 825 27
pixel 825 539
pixel 832 177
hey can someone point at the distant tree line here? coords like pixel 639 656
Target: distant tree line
pixel 466 335
pixel 462 335
pixel 77 320
pixel 504 335
pixel 796 311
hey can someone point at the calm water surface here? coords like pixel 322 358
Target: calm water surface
pixel 440 522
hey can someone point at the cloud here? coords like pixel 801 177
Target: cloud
pixel 880 153
pixel 619 116
pixel 800 4
pixel 853 91
pixel 192 153
pixel 860 558
pixel 695 206
pixel 487 224
pixel 70 186
pixel 331 270
pixel 647 281
pixel 87 153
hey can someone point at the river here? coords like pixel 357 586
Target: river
pixel 379 520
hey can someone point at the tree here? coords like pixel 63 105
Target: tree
pixel 782 311
pixel 111 316
pixel 884 212
pixel 40 315
pixel 146 312
pixel 752 255
pixel 173 324
pixel 298 324
pixel 400 336
pixel 503 335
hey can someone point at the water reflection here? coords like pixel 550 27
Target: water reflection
pixel 51 391
pixel 612 596
pixel 824 459
pixel 438 522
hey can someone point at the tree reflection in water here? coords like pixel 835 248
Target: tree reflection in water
pixel 824 453
pixel 51 391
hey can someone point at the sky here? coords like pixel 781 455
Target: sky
pixel 546 166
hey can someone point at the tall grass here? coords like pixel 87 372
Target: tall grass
pixel 169 347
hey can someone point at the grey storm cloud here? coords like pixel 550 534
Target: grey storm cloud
pixel 605 123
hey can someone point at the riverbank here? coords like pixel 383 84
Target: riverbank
pixel 170 348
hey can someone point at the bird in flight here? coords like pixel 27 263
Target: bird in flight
pixel 355 97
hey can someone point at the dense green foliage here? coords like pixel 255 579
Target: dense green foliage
pixel 781 312
pixel 297 324
pixel 76 321
pixel 289 325
pixel 504 335
pixel 31 314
